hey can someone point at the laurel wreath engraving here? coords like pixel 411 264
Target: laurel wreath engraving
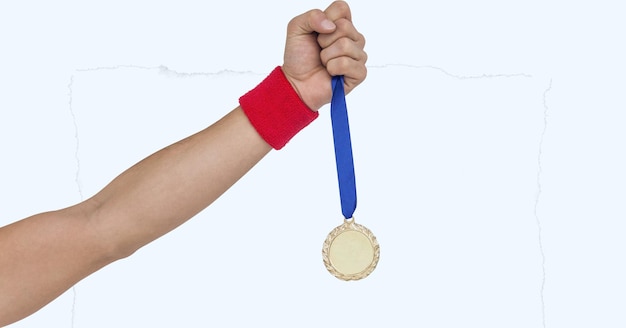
pixel 350 225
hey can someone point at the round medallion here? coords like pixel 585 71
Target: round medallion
pixel 350 251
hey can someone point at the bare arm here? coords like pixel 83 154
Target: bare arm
pixel 44 255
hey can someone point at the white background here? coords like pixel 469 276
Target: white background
pixel 488 143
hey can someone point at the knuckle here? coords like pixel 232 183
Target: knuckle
pixel 343 25
pixel 344 45
pixel 339 66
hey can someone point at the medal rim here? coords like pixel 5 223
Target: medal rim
pixel 350 225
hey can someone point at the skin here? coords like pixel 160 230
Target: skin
pixel 170 186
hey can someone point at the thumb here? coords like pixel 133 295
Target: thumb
pixel 312 21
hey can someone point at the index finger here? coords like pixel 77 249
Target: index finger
pixel 337 10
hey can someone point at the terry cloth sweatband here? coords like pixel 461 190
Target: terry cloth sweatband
pixel 275 109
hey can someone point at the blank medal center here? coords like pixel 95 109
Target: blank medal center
pixel 351 252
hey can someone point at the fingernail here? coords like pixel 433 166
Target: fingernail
pixel 327 24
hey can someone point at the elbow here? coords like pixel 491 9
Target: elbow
pixel 106 225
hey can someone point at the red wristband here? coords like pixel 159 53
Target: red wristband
pixel 275 109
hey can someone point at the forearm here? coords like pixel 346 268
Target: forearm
pixel 44 255
pixel 169 187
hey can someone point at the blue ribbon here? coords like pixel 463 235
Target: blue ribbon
pixel 343 148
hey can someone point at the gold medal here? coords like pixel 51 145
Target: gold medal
pixel 350 251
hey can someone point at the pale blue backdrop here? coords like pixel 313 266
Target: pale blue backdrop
pixel 488 143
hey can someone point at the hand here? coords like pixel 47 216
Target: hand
pixel 321 45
